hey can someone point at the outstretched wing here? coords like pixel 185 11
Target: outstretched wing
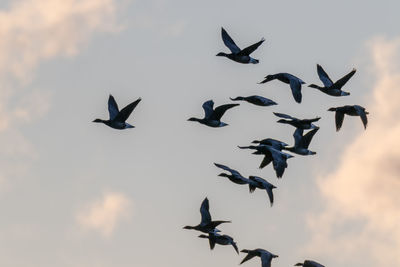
pixel 208 107
pixel 323 76
pixel 339 116
pixel 297 135
pixel 112 107
pixel 226 168
pixel 295 85
pixel 266 260
pixel 220 111
pixel 250 49
pixel 341 82
pixel 266 160
pixel 248 257
pixel 126 111
pixel 285 116
pixel 362 114
pixel 270 195
pixel 205 213
pixel 306 139
pixel 229 42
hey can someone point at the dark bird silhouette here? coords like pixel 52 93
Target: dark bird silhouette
pixel 118 118
pixel 237 54
pixel 354 110
pixel 301 142
pixel 332 88
pixel 215 238
pixel 212 117
pixel 309 263
pixel 207 224
pixel 260 183
pixel 266 256
pixel 256 100
pixel 294 82
pixel 304 124
pixel 235 176
pixel 278 145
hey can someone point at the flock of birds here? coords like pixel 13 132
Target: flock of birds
pixel 271 149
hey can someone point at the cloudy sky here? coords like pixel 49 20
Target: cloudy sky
pixel 75 193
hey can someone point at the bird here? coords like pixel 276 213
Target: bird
pixel 215 238
pixel 277 157
pixel 207 224
pixel 266 256
pixel 212 117
pixel 237 54
pixel 332 88
pixel 279 145
pixel 260 183
pixel 294 82
pixel 235 176
pixel 256 100
pixel 351 110
pixel 304 124
pixel 301 142
pixel 309 263
pixel 118 118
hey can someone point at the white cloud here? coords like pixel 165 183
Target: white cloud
pixel 361 220
pixel 103 215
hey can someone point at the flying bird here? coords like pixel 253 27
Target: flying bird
pixel 237 54
pixel 266 256
pixel 118 118
pixel 304 124
pixel 309 263
pixel 256 100
pixel 235 176
pixel 278 145
pixel 215 238
pixel 332 88
pixel 294 82
pixel 260 183
pixel 354 110
pixel 301 142
pixel 212 117
pixel 207 224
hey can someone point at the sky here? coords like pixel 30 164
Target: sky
pixel 76 193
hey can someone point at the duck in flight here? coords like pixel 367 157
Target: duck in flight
pixel 260 183
pixel 294 82
pixel 256 100
pixel 301 142
pixel 235 176
pixel 266 256
pixel 309 263
pixel 351 110
pixel 332 88
pixel 304 124
pixel 118 118
pixel 215 238
pixel 212 117
pixel 207 224
pixel 237 54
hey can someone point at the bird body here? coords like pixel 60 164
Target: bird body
pixel 256 100
pixel 309 263
pixel 294 82
pixel 351 110
pixel 212 117
pixel 304 124
pixel 260 183
pixel 215 238
pixel 278 145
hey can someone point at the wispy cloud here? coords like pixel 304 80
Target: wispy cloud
pixel 361 221
pixel 103 215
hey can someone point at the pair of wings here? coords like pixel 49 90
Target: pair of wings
pixel 301 140
pixel 265 256
pixel 228 41
pixel 215 114
pixel 294 82
pixel 339 117
pixel 323 76
pixel 116 114
pixel 266 185
pixel 227 237
pixel 278 159
pixel 285 116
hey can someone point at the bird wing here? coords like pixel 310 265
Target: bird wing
pixel 279 162
pixel 363 115
pixel 205 213
pixel 126 111
pixel 295 85
pixel 208 107
pixel 248 257
pixel 212 243
pixel 306 139
pixel 226 168
pixel 297 135
pixel 112 107
pixel 220 110
pixel 266 259
pixel 270 194
pixel 229 42
pixel 266 160
pixel 250 49
pixel 342 81
pixel 235 246
pixel 323 76
pixel 285 116
pixel 339 116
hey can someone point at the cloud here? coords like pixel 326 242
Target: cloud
pixel 103 215
pixel 361 220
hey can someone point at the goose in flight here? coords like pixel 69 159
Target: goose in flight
pixel 294 82
pixel 332 88
pixel 215 238
pixel 212 117
pixel 260 183
pixel 237 54
pixel 301 142
pixel 256 100
pixel 309 263
pixel 304 124
pixel 354 110
pixel 207 224
pixel 117 117
pixel 235 176
pixel 266 256
pixel 278 145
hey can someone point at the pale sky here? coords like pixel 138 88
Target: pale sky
pixel 78 194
